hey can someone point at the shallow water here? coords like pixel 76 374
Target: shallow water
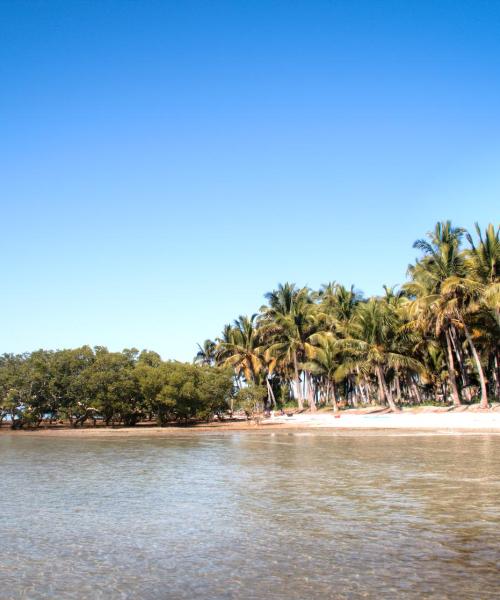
pixel 280 515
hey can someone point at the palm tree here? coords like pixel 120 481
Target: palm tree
pixel 206 353
pixel 287 322
pixel 460 297
pixel 442 256
pixel 483 259
pixel 371 344
pixel 450 288
pixel 240 348
pixel 434 373
pixel 442 259
pixel 436 334
pixel 324 361
pixel 483 265
pixel 337 304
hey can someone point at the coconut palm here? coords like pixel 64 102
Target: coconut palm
pixel 442 259
pixel 483 258
pixel 437 333
pixel 287 322
pixel 241 349
pixel 324 361
pixel 206 353
pixel 459 298
pixel 372 345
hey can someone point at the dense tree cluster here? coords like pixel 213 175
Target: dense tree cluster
pixel 85 384
pixel 435 338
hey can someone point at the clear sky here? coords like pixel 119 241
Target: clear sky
pixel 164 164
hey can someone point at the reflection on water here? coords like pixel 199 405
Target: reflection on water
pixel 280 515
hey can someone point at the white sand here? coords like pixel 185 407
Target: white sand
pixel 478 421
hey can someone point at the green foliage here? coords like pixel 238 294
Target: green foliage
pixel 119 387
pixel 436 337
pixel 250 400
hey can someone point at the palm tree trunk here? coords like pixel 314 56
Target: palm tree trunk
pixel 398 387
pixel 451 371
pixel 270 393
pixel 354 392
pixel 297 383
pixel 364 394
pixel 369 392
pixel 444 390
pixel 385 390
pixel 310 391
pixel 484 393
pixel 496 376
pixel 459 354
pixel 334 397
pixel 416 391
pixel 322 388
pixel 380 390
pixel 327 391
pixel 362 387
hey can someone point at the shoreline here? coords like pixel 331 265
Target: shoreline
pixel 427 421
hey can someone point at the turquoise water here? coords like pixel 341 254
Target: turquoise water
pixel 261 516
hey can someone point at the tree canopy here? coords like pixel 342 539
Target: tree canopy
pixel 434 338
pixel 125 387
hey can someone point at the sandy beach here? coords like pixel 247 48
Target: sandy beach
pixel 428 419
pixel 488 421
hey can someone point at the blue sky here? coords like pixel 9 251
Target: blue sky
pixel 164 164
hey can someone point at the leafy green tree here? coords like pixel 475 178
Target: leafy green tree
pixel 250 400
pixel 68 385
pixel 113 385
pixel 216 390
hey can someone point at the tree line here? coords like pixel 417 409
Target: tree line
pixel 89 384
pixel 435 338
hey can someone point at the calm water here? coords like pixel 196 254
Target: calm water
pixel 288 515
